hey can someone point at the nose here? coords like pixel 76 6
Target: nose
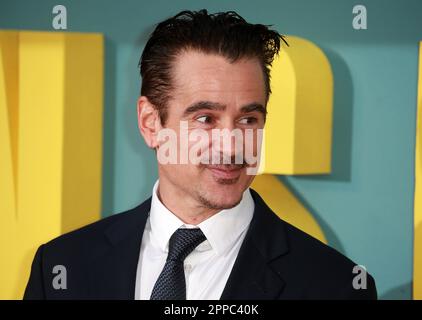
pixel 227 143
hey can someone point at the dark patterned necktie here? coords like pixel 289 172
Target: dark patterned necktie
pixel 171 283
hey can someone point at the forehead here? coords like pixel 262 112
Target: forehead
pixel 201 76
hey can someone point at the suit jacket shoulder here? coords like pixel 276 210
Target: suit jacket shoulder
pixel 290 264
pixel 98 259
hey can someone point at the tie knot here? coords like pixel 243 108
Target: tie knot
pixel 183 242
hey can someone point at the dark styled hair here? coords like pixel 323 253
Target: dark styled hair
pixel 226 34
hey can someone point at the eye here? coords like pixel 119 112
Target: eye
pixel 204 119
pixel 248 120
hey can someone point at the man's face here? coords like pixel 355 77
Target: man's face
pixel 212 93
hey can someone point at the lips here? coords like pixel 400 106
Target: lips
pixel 225 171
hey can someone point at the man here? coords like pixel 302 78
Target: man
pixel 203 234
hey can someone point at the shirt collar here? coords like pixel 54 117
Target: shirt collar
pixel 221 229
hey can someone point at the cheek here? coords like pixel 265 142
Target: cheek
pixel 199 147
pixel 253 144
pixel 184 175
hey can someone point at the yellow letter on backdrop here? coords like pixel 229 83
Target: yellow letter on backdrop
pixel 297 136
pixel 417 249
pixel 51 110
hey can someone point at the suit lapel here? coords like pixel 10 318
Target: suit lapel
pixel 114 272
pixel 252 276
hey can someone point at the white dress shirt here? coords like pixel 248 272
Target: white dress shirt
pixel 208 267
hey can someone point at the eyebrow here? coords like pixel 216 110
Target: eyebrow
pixel 254 107
pixel 215 106
pixel 203 105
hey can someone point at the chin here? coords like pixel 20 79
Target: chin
pixel 222 198
pixel 222 190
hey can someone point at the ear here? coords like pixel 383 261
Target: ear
pixel 148 121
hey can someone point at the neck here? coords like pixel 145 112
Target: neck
pixel 188 210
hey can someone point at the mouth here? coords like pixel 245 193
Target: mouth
pixel 223 172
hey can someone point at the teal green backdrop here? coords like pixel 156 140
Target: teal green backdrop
pixel 366 205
